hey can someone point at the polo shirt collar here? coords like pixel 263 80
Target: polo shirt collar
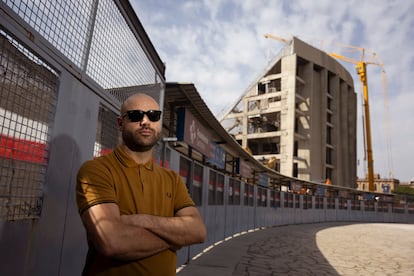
pixel 128 162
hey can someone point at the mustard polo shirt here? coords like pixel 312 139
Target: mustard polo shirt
pixel 136 189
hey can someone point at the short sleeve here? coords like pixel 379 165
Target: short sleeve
pixel 183 198
pixel 94 185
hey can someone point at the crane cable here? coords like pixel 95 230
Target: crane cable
pixel 387 124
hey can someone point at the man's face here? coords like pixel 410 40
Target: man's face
pixel 142 135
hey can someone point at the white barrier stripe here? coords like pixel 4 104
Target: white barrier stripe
pixel 19 127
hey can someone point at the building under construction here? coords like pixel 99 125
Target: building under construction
pixel 299 116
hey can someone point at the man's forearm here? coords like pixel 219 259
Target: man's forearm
pixel 118 240
pixel 136 243
pixel 180 231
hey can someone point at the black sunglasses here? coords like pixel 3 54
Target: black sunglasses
pixel 138 115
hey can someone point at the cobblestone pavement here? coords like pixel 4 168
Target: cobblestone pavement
pixel 312 249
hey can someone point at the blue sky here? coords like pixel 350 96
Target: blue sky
pixel 219 46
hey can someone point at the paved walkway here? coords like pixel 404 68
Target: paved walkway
pixel 312 249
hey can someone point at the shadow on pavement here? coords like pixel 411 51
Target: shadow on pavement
pixel 279 250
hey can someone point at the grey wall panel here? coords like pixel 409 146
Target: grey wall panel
pixel 59 230
pixel 74 243
pixel 183 256
pixel 220 223
pixel 230 221
pixel 209 220
pixel 13 249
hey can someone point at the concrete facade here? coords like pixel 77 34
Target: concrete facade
pixel 303 100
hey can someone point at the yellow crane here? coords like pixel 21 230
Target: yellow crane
pixel 361 67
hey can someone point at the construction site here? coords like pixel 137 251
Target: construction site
pixel 299 116
pixel 306 99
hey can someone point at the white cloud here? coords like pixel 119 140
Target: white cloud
pixel 219 46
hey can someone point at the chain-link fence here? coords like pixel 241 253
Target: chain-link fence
pixel 94 38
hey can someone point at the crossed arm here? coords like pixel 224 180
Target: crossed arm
pixel 137 236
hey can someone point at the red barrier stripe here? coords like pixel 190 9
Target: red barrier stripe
pixel 20 149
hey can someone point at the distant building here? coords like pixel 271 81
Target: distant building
pixel 381 185
pixel 299 117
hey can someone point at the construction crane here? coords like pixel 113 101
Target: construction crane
pixel 361 67
pixel 280 39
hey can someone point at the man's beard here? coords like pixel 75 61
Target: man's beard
pixel 135 142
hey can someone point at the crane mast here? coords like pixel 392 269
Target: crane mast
pixel 361 70
pixel 361 67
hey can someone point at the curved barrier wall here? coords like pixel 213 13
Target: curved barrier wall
pixel 264 207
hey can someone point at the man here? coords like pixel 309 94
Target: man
pixel 136 214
